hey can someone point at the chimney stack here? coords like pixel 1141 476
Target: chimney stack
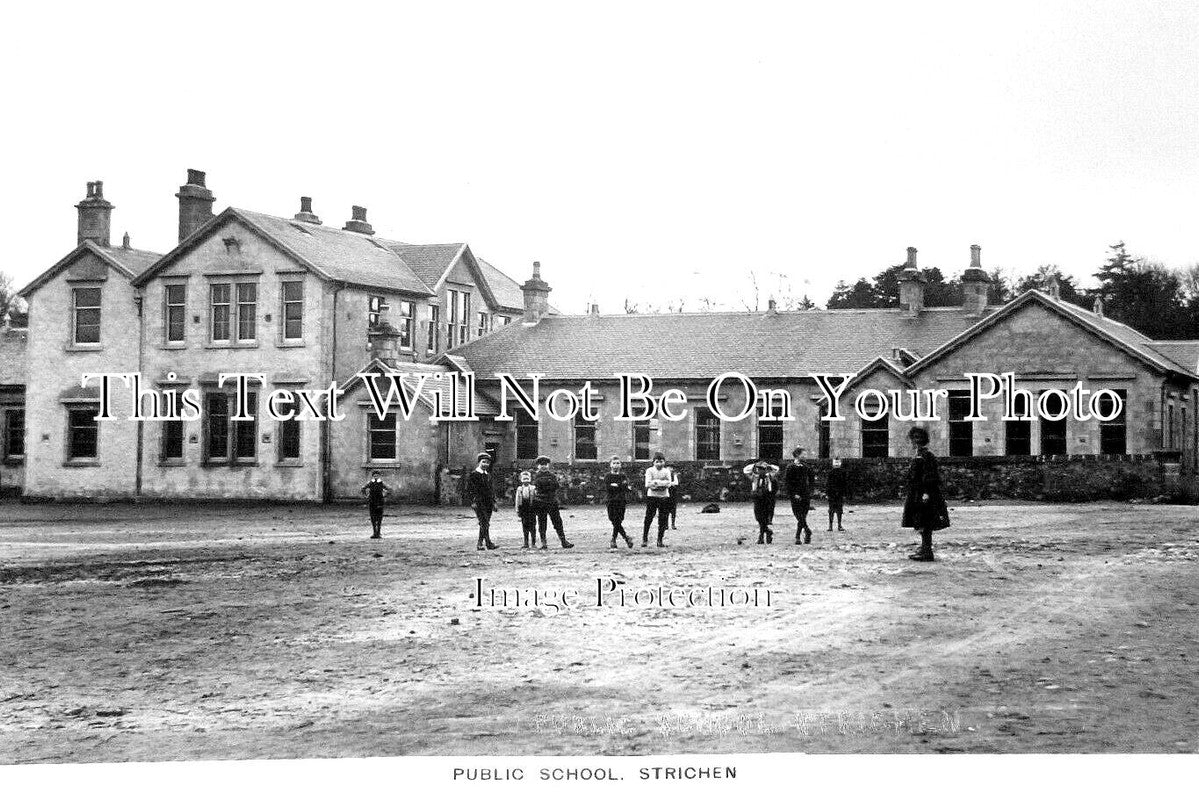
pixel 195 204
pixel 537 296
pixel 305 214
pixel 357 222
pixel 95 215
pixel 594 310
pixel 974 285
pixel 911 287
pixel 383 342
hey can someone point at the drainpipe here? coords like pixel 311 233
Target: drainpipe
pixel 141 425
pixel 326 441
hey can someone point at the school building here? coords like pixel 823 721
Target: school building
pixel 306 304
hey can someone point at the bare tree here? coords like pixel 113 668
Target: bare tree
pixel 10 302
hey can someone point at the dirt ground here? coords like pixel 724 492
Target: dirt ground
pixel 157 632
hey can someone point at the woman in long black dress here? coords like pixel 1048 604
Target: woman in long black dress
pixel 925 507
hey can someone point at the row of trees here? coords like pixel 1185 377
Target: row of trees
pixel 1161 302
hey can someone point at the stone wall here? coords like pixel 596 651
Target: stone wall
pixel 1049 478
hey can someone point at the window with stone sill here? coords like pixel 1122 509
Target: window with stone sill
pixel 381 434
pixel 707 435
pixel 14 433
pixel 226 440
pixel 770 431
pixel 175 313
pixel 1053 432
pixel 1113 435
pixel 585 439
pixel 876 434
pixel 289 432
pixel 172 440
pixel 83 433
pixel 85 315
pixel 293 310
pixel 234 314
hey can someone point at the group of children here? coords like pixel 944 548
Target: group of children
pixel 536 500
pixel 796 483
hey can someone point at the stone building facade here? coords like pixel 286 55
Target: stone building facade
pixel 289 299
pixel 307 306
pixel 1049 345
pixel 13 377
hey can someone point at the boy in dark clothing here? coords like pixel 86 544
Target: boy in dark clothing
pixel 617 484
pixel 672 505
pixel 763 483
pixel 545 502
pixel 376 491
pixel 798 478
pixel 836 488
pixel 482 498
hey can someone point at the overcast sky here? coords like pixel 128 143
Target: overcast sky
pixel 642 150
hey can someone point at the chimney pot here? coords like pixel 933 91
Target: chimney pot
pixel 95 216
pixel 1098 307
pixel 305 213
pixel 195 204
pixel 537 296
pixel 911 287
pixel 125 240
pixel 357 222
pixel 974 285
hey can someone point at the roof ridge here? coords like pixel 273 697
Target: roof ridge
pixel 776 313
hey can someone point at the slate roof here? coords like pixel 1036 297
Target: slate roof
pixel 1162 352
pixel 485 405
pixel 1183 353
pixel 135 261
pixel 706 344
pixel 354 258
pixel 1118 334
pixel 428 261
pixel 342 255
pixel 127 261
pixel 507 292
